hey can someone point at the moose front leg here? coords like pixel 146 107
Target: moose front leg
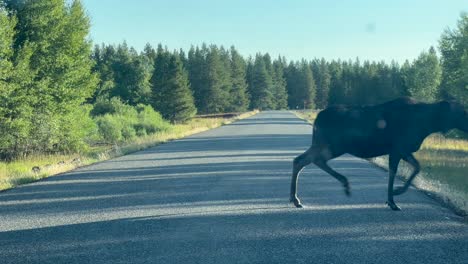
pixel 411 160
pixel 394 160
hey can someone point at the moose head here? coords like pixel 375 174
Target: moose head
pixel 453 116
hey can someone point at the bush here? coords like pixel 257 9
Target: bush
pixel 47 132
pixel 108 106
pixel 150 121
pixel 128 132
pixel 119 122
pixel 77 130
pixel 109 128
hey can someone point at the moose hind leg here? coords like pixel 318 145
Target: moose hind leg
pixel 322 163
pixel 298 164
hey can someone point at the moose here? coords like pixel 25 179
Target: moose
pixel 396 128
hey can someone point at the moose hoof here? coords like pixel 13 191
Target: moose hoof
pixel 296 202
pixel 347 191
pixel 399 190
pixel 393 206
pixel 298 205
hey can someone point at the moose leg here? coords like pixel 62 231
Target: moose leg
pixel 322 163
pixel 411 160
pixel 299 163
pixel 394 160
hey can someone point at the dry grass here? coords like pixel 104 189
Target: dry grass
pixel 439 142
pixel 309 115
pixel 21 171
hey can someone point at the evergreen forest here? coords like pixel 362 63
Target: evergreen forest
pixel 61 93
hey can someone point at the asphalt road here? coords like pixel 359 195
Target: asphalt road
pixel 222 196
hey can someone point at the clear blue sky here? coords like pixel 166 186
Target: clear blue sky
pixel 346 29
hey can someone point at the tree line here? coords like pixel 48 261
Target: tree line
pixel 221 80
pixel 58 93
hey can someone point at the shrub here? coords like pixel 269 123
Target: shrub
pixel 78 130
pixel 119 122
pixel 150 121
pixel 108 106
pixel 128 132
pixel 109 128
pixel 47 132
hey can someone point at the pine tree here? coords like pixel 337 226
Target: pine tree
pixel 280 94
pixel 322 79
pixel 103 57
pixel 131 76
pixel 149 52
pixel 183 58
pixel 271 73
pixel 260 85
pixel 363 84
pixel 292 85
pixel 210 77
pixel 226 72
pixel 348 77
pixel 147 58
pixel 308 88
pixel 214 95
pixel 196 66
pixel 300 85
pixel 159 77
pixel 355 76
pixel 172 95
pixel 268 64
pixel 404 72
pixel 239 101
pixel 397 80
pixel 337 90
pixel 385 83
pixel 249 78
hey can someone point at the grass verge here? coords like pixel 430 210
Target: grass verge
pixel 309 115
pixel 444 167
pixel 37 167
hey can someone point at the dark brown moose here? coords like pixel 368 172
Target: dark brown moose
pixel 396 128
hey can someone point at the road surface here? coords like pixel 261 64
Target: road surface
pixel 222 196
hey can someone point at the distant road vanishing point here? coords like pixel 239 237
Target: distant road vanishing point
pixel 222 196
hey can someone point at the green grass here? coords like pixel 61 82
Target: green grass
pixel 20 171
pixel 446 161
pixel 444 166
